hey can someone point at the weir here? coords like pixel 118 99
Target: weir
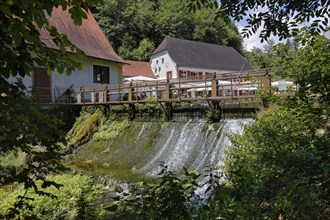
pixel 142 146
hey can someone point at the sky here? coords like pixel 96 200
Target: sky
pixel 254 40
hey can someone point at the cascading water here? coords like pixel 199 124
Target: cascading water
pixel 193 145
pixel 137 153
pixel 144 145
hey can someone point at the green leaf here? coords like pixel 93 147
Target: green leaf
pixel 5 10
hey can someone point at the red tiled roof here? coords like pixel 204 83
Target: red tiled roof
pixel 88 37
pixel 137 68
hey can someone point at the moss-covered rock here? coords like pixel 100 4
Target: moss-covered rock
pixel 85 126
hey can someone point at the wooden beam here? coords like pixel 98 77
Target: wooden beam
pixel 214 88
pixel 266 82
pixel 167 91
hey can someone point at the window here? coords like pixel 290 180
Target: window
pixel 194 74
pixel 169 75
pixel 101 74
pixel 184 74
pixel 162 60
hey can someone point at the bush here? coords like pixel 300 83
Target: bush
pixel 171 197
pixel 110 130
pixel 213 115
pixel 279 168
pixel 72 200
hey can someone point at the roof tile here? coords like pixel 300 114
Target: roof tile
pixel 88 37
pixel 137 68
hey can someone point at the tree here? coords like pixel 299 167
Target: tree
pixel 218 30
pixel 21 46
pixel 153 20
pixel 146 47
pixel 257 58
pixel 126 23
pixel 279 167
pixel 267 57
pixel 280 18
pixel 23 127
pixel 309 67
pixel 126 48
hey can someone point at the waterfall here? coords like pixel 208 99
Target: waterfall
pixel 191 145
pixel 139 150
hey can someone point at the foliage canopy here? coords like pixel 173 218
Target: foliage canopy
pixel 279 167
pixel 24 128
pixel 135 28
pixel 280 17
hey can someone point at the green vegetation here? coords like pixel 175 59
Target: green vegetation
pixel 85 126
pixel 92 124
pixel 267 58
pixel 135 28
pixel 110 130
pixel 24 128
pixel 279 167
pixel 116 149
pixel 213 115
pixel 8 165
pixel 170 197
pixel 278 18
pixel 73 200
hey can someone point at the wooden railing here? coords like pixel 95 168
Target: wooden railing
pixel 232 85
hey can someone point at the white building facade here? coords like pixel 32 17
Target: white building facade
pixel 178 58
pixel 101 65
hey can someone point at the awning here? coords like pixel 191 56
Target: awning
pixel 250 88
pixel 282 83
pixel 192 90
pixel 139 78
pixel 203 89
pixel 221 82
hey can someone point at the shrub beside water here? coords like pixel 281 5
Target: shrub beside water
pixel 110 130
pixel 71 201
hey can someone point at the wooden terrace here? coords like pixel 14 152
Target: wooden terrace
pixel 211 87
